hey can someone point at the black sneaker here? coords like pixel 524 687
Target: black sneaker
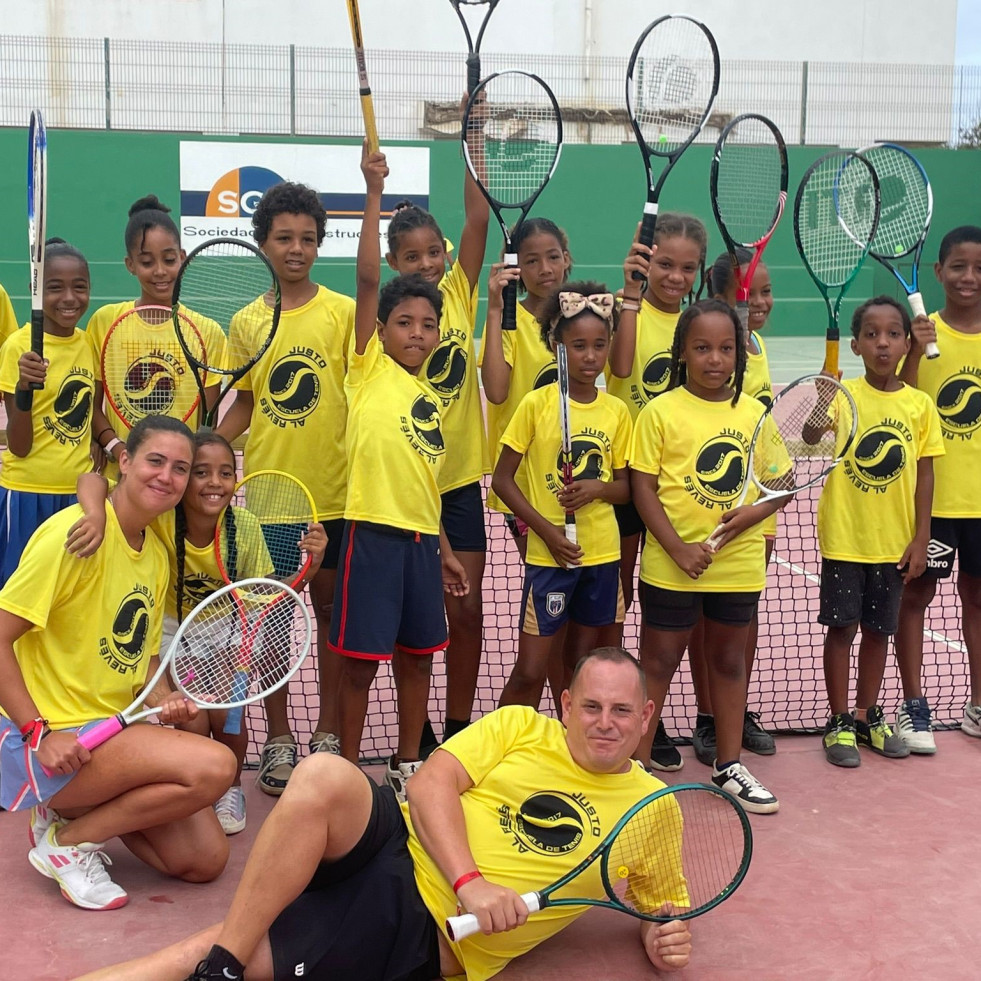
pixel 664 753
pixel 219 965
pixel 839 741
pixel 429 743
pixel 755 738
pixel 703 739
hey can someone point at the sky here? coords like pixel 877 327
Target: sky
pixel 968 32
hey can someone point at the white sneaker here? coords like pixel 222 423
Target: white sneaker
pixel 735 779
pixel 42 818
pixel 231 811
pixel 914 726
pixel 325 742
pixel 972 720
pixel 80 870
pixel 398 776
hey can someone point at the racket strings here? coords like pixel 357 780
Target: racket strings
pixel 749 182
pixel 906 201
pixel 836 217
pixel 521 138
pixel 680 853
pixel 231 285
pixel 672 83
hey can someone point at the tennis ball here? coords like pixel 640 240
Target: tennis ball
pixel 662 139
pixel 773 468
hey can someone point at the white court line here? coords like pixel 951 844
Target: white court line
pixel 811 577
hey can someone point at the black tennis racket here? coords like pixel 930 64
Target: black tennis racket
pixel 674 855
pixel 565 427
pixel 522 130
pixel 672 82
pixel 231 283
pixel 473 40
pixel 907 209
pixel 835 217
pixel 37 198
pixel 748 187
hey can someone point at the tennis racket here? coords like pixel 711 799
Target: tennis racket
pixel 37 207
pixel 144 370
pixel 231 283
pixel 803 435
pixel 835 219
pixel 473 43
pixel 748 187
pixel 364 89
pixel 259 534
pixel 260 622
pixel 672 82
pixel 674 855
pixel 907 208
pixel 565 426
pixel 522 144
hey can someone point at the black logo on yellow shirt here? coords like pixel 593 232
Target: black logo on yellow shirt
pixel 766 397
pixel 549 375
pixel 657 374
pixel 72 409
pixel 550 822
pixel 446 370
pixel 959 405
pixel 294 388
pixel 150 385
pixel 422 428
pixel 197 587
pixel 124 648
pixel 720 468
pixel 879 456
pixel 588 451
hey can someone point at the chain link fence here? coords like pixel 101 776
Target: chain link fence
pixel 98 83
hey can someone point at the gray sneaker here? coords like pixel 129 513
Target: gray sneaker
pixel 703 739
pixel 755 738
pixel 325 742
pixel 276 765
pixel 839 741
pixel 878 736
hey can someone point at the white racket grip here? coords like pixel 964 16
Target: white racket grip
pixel 919 310
pixel 466 924
pixel 572 535
pixel 511 258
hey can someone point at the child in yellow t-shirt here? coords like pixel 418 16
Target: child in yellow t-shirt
pixel 953 382
pixel 8 319
pixel 688 464
pixel 567 582
pixel 388 604
pixel 873 529
pixel 49 444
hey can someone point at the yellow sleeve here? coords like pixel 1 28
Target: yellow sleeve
pixel 520 432
pixel 8 319
pixel 931 439
pixel 622 437
pixel 647 442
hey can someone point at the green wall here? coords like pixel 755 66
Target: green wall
pixel 597 195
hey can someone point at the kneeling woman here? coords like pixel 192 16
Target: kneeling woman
pixel 77 643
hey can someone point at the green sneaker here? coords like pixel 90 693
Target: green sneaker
pixel 878 736
pixel 839 741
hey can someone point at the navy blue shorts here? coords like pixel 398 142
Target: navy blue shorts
pixel 21 514
pixel 462 518
pixel 590 595
pixel 950 537
pixel 360 917
pixel 389 593
pixel 675 609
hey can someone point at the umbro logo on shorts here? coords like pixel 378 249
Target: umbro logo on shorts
pixel 300 970
pixel 555 604
pixel 936 551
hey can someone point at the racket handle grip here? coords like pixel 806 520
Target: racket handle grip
pixel 919 310
pixel 473 72
pixel 648 226
pixel 37 346
pixel 233 721
pixel 97 735
pixel 509 319
pixel 466 924
pixel 572 534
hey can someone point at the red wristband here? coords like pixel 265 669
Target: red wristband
pixel 465 878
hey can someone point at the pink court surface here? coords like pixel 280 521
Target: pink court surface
pixel 865 873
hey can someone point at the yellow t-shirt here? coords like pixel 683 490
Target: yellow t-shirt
pixel 395 445
pixel 61 415
pixel 698 451
pixel 8 319
pixel 651 369
pixel 97 621
pixel 532 367
pixel 756 382
pixel 300 415
pixel 202 575
pixel 532 815
pixel 600 440
pixel 953 382
pixel 867 511
pixel 451 374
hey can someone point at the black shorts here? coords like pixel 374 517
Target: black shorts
pixel 332 554
pixel 950 537
pixel 673 609
pixel 867 593
pixel 462 517
pixel 360 917
pixel 629 520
